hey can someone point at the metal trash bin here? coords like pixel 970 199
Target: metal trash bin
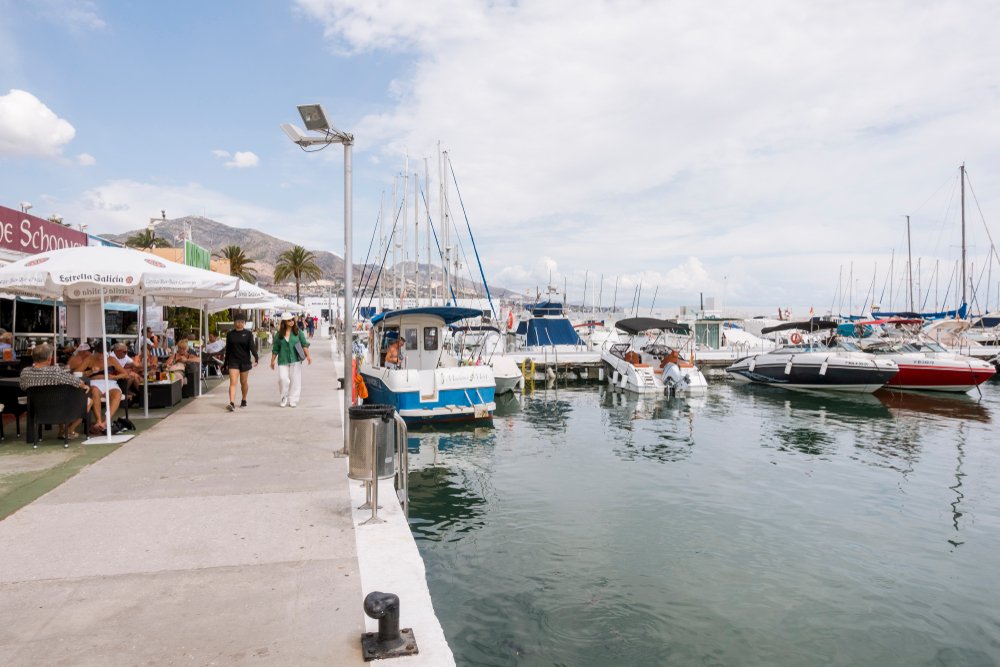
pixel 362 418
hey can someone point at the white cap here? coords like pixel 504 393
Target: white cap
pixel 287 316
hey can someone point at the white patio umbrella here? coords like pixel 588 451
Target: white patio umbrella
pixel 98 273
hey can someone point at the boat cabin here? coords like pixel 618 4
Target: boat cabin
pixel 421 331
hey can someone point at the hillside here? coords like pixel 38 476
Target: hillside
pixel 264 250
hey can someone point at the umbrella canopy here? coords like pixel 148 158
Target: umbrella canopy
pixel 89 273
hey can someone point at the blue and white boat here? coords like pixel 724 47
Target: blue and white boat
pixel 429 385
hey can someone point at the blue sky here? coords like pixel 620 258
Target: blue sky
pixel 742 151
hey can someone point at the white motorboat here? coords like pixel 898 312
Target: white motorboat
pixel 651 366
pixel 428 385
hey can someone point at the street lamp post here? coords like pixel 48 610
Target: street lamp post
pixel 315 121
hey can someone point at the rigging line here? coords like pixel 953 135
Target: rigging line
pixel 364 266
pixel 465 256
pixel 430 221
pixel 385 256
pixel 979 208
pixel 473 239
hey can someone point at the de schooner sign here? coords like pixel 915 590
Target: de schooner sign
pixel 31 235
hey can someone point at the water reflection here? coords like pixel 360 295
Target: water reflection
pixel 507 404
pixel 961 406
pixel 442 508
pixel 546 412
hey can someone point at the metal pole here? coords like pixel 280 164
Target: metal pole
pixel 963 236
pixel 909 260
pixel 145 363
pixel 348 288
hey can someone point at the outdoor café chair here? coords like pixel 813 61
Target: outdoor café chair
pixel 59 404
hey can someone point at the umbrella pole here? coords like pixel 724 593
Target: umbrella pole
pixel 104 351
pixel 202 326
pixel 145 363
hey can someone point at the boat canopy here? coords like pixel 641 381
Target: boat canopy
pixel 634 325
pixel 814 324
pixel 546 308
pixel 959 314
pixel 446 313
pixel 541 332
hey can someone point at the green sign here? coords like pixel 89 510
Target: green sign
pixel 195 255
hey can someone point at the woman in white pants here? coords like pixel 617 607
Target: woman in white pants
pixel 285 353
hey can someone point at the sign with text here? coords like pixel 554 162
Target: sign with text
pixel 195 255
pixel 31 235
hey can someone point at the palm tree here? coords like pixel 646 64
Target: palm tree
pixel 147 239
pixel 240 265
pixel 297 263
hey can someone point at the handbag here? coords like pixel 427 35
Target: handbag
pixel 300 354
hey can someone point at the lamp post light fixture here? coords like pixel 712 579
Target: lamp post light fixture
pixel 316 121
pixel 25 206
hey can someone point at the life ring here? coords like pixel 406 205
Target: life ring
pixel 796 338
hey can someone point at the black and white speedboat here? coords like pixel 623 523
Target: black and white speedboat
pixel 837 366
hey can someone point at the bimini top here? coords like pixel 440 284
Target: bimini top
pixel 814 324
pixel 446 313
pixel 634 325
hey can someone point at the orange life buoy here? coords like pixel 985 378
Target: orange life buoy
pixel 510 320
pixel 796 338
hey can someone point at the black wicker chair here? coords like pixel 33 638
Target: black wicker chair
pixel 60 404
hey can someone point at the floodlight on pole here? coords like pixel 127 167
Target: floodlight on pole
pixel 315 120
pixel 25 205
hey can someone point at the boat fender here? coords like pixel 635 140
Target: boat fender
pixel 796 338
pixel 823 366
pixel 753 364
pixel 788 366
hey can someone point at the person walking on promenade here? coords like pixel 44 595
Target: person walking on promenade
pixel 239 348
pixel 288 343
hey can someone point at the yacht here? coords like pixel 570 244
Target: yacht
pixel 650 360
pixel 428 385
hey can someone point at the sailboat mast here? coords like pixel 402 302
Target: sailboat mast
pixel 909 260
pixel 416 238
pixel 962 170
pixel 427 210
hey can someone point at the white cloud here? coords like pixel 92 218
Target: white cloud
pixel 243 160
pixel 629 136
pixel 86 160
pixel 29 128
pixel 240 160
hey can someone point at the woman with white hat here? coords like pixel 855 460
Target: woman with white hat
pixel 290 349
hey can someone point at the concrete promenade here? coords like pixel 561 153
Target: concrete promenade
pixel 214 538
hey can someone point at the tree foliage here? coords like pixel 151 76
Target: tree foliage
pixel 240 265
pixel 296 263
pixel 147 239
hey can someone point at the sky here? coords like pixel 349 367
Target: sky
pixel 763 154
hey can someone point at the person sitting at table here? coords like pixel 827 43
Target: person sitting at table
pixel 43 374
pixel 214 351
pixel 120 354
pixel 182 355
pixel 79 358
pixel 152 339
pixel 7 343
pixel 106 384
pixel 152 363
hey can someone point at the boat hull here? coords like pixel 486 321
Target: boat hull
pixel 460 394
pixel 940 378
pixel 815 374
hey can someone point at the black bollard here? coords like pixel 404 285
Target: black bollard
pixel 389 641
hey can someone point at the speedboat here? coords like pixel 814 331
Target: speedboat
pixel 645 366
pixel 428 385
pixel 840 367
pixel 927 366
pixel 484 345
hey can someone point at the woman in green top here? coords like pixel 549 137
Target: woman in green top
pixel 285 354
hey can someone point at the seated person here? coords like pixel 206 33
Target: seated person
pixel 43 374
pixel 152 363
pixel 107 385
pixel 119 352
pixel 182 355
pixel 79 358
pixel 7 343
pixel 394 354
pixel 214 351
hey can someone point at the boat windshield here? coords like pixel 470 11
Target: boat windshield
pixel 928 346
pixel 848 346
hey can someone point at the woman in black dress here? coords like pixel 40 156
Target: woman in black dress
pixel 239 348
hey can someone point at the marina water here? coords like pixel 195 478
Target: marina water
pixel 753 526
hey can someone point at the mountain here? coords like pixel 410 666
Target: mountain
pixel 264 249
